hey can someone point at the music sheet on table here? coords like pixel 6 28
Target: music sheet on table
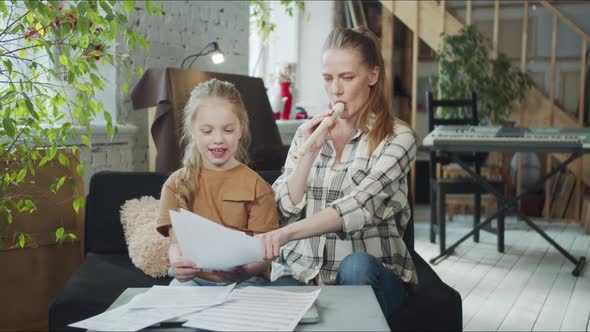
pixel 158 304
pixel 255 309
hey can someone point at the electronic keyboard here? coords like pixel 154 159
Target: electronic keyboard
pixel 466 138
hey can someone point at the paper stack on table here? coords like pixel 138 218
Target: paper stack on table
pixel 158 304
pixel 210 308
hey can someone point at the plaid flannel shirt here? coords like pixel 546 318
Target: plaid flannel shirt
pixel 370 195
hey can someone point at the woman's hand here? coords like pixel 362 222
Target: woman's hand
pixel 184 269
pixel 310 126
pixel 271 242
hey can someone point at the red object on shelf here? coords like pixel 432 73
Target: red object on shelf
pixel 286 92
pixel 300 114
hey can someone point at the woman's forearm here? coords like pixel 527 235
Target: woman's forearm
pixel 323 222
pixel 297 181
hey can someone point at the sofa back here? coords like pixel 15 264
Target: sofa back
pixel 103 232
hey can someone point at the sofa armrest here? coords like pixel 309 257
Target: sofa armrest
pixel 108 190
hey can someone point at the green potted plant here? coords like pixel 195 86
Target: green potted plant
pixel 52 56
pixel 465 64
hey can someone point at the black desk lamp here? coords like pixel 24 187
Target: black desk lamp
pixel 212 48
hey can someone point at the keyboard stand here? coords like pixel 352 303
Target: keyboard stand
pixel 511 205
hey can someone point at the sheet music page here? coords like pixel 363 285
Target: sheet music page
pixel 181 297
pixel 255 309
pixel 212 246
pixel 125 318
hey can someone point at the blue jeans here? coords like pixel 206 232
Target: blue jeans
pixel 252 281
pixel 360 268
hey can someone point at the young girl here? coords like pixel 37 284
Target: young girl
pixel 344 205
pixel 214 182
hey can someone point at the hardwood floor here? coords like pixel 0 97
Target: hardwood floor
pixel 528 288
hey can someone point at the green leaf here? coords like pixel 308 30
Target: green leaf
pixel 125 88
pixel 143 43
pixel 8 65
pixel 107 117
pixel 44 160
pixel 109 130
pixel 63 60
pixel 52 151
pixel 21 175
pixel 9 128
pixel 84 41
pixel 78 203
pixel 63 160
pixel 106 8
pixel 21 240
pixel 129 5
pixel 80 169
pixel 86 141
pixel 8 94
pixel 59 234
pixel 96 81
pixel 60 183
pixel 31 108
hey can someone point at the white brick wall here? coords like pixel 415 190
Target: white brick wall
pixel 108 154
pixel 186 27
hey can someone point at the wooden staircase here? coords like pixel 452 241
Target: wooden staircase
pixel 430 20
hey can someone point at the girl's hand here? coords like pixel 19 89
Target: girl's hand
pixel 271 242
pixel 184 269
pixel 310 126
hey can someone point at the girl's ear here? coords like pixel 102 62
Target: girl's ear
pixel 374 76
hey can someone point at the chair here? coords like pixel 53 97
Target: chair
pixel 440 187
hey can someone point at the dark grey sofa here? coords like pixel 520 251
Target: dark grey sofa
pixel 107 269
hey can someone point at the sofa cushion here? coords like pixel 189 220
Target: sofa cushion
pixel 431 306
pixel 147 248
pixel 95 286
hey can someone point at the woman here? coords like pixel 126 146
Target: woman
pixel 343 206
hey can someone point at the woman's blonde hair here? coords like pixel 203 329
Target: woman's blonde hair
pixel 379 102
pixel 192 160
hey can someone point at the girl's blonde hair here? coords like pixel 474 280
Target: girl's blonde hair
pixel 379 102
pixel 192 160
